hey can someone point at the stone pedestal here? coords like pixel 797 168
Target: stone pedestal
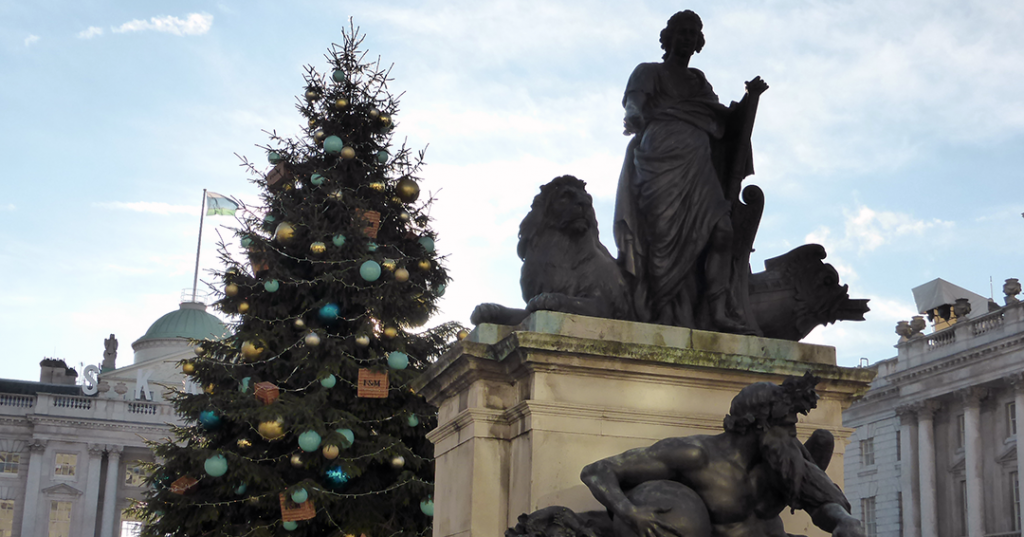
pixel 523 409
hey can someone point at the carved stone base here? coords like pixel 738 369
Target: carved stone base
pixel 523 409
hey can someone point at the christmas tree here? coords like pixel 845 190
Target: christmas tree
pixel 305 423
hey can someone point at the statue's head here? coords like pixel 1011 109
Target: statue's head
pixel 678 22
pixel 764 404
pixel 563 206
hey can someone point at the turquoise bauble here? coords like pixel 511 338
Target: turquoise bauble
pixel 216 466
pixel 243 386
pixel 413 420
pixel 398 360
pixel 382 156
pixel 329 381
pixel 427 506
pixel 240 490
pixel 440 290
pixel 316 179
pixel 371 246
pixel 274 157
pixel 209 420
pixel 335 477
pixel 246 242
pixel 269 218
pixel 309 441
pixel 347 437
pixel 289 525
pixel 272 286
pixel 329 312
pixel 300 496
pixel 370 270
pixel 427 243
pixel 338 240
pixel 333 144
pixel 338 75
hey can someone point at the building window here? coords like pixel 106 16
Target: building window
pixel 6 518
pixel 960 433
pixel 64 465
pixel 9 462
pixel 1014 501
pixel 135 475
pixel 60 519
pixel 963 508
pixel 899 448
pixel 1011 419
pixel 899 512
pixel 867 516
pixel 867 452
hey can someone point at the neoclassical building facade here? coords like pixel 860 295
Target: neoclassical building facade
pixel 936 450
pixel 70 461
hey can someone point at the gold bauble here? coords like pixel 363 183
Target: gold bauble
pixel 317 247
pixel 244 443
pixel 231 289
pixel 312 94
pixel 396 199
pixel 319 135
pixel 336 195
pixel 424 264
pixel 243 307
pixel 462 335
pixel 404 216
pixel 401 275
pixel 284 232
pixel 362 340
pixel 389 264
pixel 188 368
pixel 312 339
pixel 374 113
pixel 271 430
pixel 407 189
pixel 385 119
pixel 348 153
pixel 390 332
pixel 296 460
pixel 312 121
pixel 209 388
pixel 299 324
pixel 398 462
pixel 199 350
pixel 378 186
pixel 251 350
pixel 341 103
pixel 331 452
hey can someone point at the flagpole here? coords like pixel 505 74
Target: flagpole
pixel 202 213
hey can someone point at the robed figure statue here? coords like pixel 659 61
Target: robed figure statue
pixel 681 230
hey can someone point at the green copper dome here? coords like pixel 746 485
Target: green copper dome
pixel 190 321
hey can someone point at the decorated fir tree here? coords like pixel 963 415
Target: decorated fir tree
pixel 305 423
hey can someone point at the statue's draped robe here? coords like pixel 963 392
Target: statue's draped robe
pixel 670 195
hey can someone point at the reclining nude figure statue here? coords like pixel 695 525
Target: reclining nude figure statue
pixel 733 484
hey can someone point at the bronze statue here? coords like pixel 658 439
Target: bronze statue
pixel 677 209
pixel 735 483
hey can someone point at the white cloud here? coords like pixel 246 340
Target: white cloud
pixel 153 207
pixel 31 40
pixel 8 207
pixel 866 230
pixel 193 24
pixel 90 32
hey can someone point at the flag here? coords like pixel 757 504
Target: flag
pixel 219 204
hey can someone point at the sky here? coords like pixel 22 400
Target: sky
pixel 890 134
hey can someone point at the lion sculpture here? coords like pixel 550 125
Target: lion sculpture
pixel 565 266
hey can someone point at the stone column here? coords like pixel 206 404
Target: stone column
pixel 110 492
pixel 1017 381
pixel 908 472
pixel 92 490
pixel 36 464
pixel 926 472
pixel 973 461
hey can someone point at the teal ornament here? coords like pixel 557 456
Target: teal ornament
pixel 209 420
pixel 413 420
pixel 338 75
pixel 427 506
pixel 427 243
pixel 272 286
pixel 300 496
pixel 371 246
pixel 246 242
pixel 440 290
pixel 329 381
pixel 240 490
pixel 338 240
pixel 329 312
pixel 316 179
pixel 243 386
pixel 269 218
pixel 333 144
pixel 370 270
pixel 335 477
pixel 398 360
pixel 274 157
pixel 347 437
pixel 216 466
pixel 382 156
pixel 309 441
pixel 289 525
